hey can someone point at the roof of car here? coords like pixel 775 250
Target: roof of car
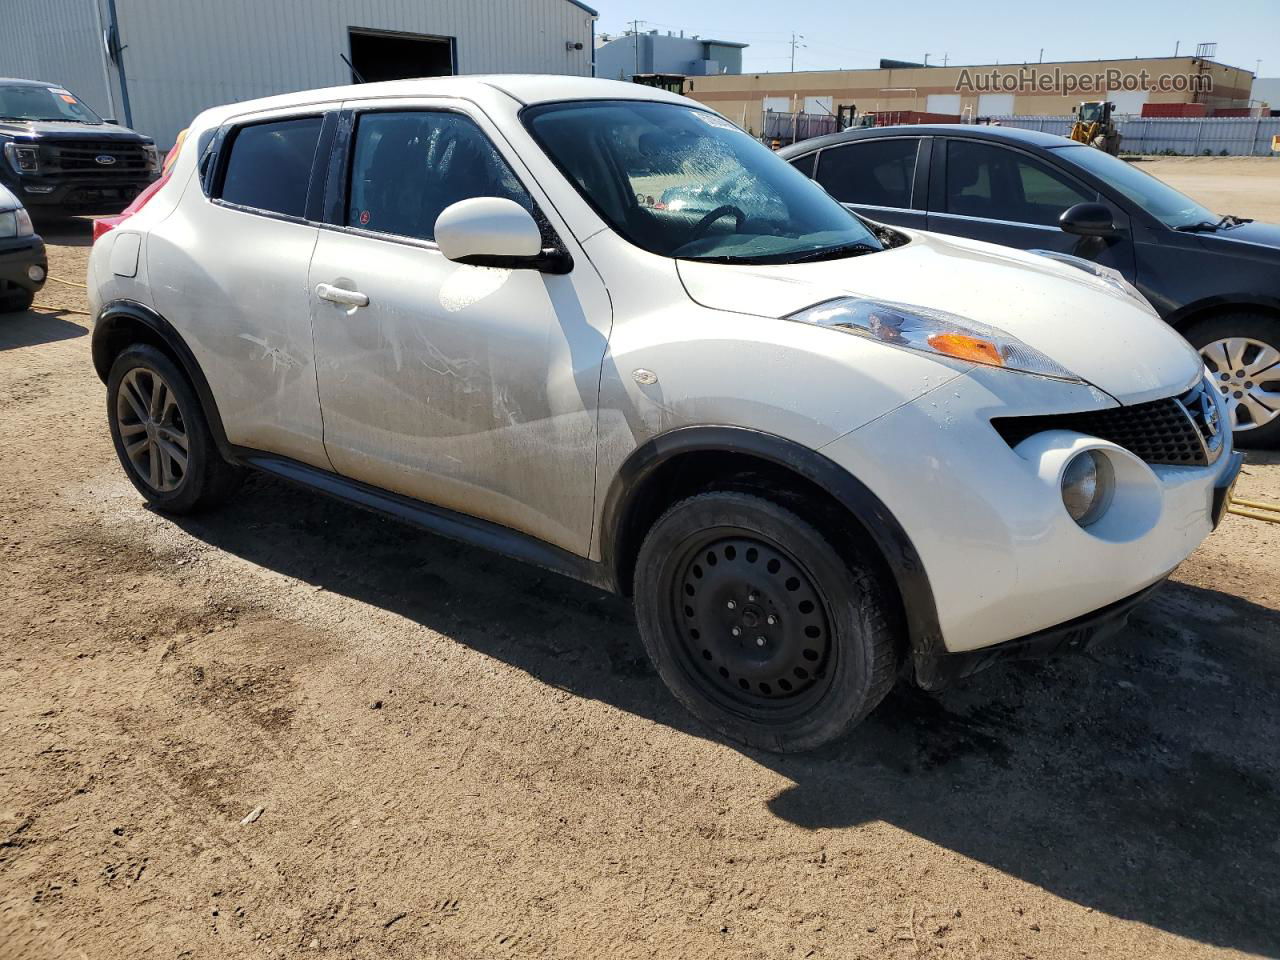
pixel 972 131
pixel 525 89
pixel 19 82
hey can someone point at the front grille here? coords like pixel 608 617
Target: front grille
pixel 1176 431
pixel 80 157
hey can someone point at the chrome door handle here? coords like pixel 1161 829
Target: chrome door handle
pixel 350 298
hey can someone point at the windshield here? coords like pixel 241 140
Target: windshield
pixel 681 182
pixel 28 102
pixel 1166 204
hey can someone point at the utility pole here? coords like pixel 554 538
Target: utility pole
pixel 635 39
pixel 795 42
pixel 945 58
pixel 926 59
pixel 1176 45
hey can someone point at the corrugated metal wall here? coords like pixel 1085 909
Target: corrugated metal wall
pixel 185 56
pixel 1190 137
pixel 59 41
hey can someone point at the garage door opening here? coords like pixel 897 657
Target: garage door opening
pixel 377 55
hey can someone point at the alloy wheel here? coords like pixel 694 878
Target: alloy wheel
pixel 152 429
pixel 1247 373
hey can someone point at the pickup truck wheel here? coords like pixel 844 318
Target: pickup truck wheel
pixel 161 436
pixel 1242 352
pixel 758 625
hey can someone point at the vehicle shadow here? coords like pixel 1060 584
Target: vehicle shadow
pixel 1143 781
pixel 66 231
pixel 35 326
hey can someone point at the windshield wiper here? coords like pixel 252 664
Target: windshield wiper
pixel 835 253
pixel 1204 226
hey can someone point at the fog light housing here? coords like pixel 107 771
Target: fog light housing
pixel 1088 483
pixel 36 273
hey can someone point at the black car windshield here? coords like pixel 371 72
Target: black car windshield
pixel 24 101
pixel 1166 204
pixel 685 183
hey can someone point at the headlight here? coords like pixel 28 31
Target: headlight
pixel 932 331
pixel 23 219
pixel 9 223
pixel 1087 485
pixel 22 157
pixel 1108 275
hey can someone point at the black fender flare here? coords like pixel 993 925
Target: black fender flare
pixel 115 316
pixel 868 510
pixel 1185 316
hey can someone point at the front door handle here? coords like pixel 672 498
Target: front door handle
pixel 350 298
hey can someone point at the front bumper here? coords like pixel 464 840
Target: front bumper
pixel 70 195
pixel 17 256
pixel 936 671
pixel 1003 558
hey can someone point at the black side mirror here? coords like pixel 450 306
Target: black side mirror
pixel 1088 220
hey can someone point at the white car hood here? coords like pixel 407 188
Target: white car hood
pixel 1100 334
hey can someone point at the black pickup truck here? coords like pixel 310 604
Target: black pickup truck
pixel 60 158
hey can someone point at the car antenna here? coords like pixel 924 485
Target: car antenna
pixel 354 72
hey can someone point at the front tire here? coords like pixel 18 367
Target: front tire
pixel 16 299
pixel 161 435
pixel 759 626
pixel 1242 352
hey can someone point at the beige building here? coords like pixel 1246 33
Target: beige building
pixel 1019 89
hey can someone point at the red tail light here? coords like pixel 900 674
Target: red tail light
pixel 104 225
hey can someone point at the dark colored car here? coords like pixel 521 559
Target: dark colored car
pixel 60 158
pixel 23 266
pixel 1215 278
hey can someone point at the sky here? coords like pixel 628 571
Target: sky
pixel 840 33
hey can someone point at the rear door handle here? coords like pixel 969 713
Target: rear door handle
pixel 350 298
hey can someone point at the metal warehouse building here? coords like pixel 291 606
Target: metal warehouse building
pixel 155 64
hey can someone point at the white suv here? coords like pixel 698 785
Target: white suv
pixel 600 328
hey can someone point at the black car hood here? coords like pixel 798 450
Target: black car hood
pixel 64 130
pixel 1265 236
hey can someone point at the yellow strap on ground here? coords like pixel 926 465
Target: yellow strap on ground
pixel 1256 504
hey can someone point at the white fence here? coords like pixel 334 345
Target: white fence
pixel 1189 136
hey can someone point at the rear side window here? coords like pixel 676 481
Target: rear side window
pixel 407 167
pixel 269 166
pixel 878 173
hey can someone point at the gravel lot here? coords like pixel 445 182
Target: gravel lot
pixel 455 756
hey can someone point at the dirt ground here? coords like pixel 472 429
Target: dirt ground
pixel 1244 186
pixel 455 756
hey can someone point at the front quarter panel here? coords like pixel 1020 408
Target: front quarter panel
pixel 673 363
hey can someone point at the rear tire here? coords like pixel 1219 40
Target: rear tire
pixel 813 652
pixel 1242 352
pixel 161 435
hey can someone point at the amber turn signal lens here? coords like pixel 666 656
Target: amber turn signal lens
pixel 964 347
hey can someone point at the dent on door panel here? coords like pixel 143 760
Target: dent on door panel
pixel 472 388
pixel 234 286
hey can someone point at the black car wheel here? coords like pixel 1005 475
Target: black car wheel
pixel 759 626
pixel 161 436
pixel 1242 353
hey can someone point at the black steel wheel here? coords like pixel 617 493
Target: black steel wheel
pixel 161 435
pixel 758 625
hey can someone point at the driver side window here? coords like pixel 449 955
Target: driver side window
pixel 407 167
pixel 993 183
